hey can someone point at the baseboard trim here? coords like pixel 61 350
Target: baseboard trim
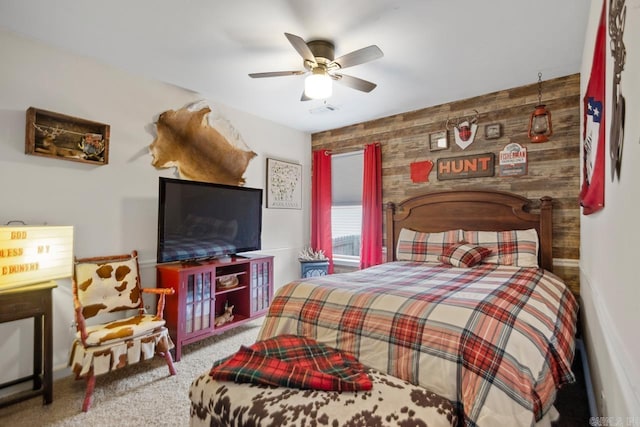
pixel 624 373
pixel 591 397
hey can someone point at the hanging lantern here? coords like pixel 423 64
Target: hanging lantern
pixel 540 124
pixel 540 121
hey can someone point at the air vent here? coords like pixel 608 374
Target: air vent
pixel 326 108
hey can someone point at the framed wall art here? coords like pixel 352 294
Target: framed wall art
pixel 492 131
pixel 438 141
pixel 65 137
pixel 284 184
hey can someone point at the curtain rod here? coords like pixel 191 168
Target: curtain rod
pixel 349 153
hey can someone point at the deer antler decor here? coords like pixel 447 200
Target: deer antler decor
pixel 465 129
pixel 49 133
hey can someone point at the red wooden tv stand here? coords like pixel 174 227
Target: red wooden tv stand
pixel 199 297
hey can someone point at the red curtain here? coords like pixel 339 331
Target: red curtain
pixel 321 204
pixel 371 251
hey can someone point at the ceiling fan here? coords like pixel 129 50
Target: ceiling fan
pixel 322 67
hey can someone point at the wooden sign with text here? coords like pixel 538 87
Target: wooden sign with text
pixel 472 166
pixel 513 160
pixel 34 254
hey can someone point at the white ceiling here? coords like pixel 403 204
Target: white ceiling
pixel 435 51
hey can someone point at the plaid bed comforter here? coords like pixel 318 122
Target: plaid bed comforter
pixel 296 362
pixel 499 340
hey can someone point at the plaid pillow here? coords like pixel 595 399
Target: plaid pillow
pixel 513 247
pixel 417 246
pixel 463 254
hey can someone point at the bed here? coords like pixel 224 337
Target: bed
pixel 467 306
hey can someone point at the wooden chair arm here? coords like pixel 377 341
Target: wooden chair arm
pixel 165 291
pixel 161 292
pixel 80 321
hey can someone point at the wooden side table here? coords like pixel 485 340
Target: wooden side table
pixel 22 303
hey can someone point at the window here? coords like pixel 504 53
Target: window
pixel 346 223
pixel 346 207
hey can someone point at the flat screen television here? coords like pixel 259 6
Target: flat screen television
pixel 201 220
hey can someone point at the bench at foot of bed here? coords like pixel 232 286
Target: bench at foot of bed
pixel 391 402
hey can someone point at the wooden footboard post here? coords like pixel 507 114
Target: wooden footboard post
pixel 390 232
pixel 546 233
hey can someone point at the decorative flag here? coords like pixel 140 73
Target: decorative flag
pixel 593 138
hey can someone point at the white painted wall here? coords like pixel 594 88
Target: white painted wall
pixel 609 284
pixel 112 207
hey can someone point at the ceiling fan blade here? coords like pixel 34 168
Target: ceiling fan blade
pixel 301 46
pixel 359 56
pixel 276 74
pixel 354 82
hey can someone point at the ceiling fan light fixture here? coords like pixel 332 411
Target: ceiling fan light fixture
pixel 318 84
pixel 322 67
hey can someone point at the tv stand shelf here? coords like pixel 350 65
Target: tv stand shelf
pixel 191 312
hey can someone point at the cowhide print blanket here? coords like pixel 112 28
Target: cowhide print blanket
pixel 391 402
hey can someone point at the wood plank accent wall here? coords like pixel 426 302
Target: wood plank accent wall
pixel 553 170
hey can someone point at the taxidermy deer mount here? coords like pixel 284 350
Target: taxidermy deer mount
pixel 465 129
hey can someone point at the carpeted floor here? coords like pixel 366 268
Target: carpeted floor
pixel 144 394
pixel 572 401
pixel 139 395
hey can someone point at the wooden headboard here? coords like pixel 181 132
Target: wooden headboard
pixel 471 210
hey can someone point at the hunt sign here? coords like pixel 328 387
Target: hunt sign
pixel 472 166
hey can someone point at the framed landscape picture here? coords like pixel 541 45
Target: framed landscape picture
pixel 284 184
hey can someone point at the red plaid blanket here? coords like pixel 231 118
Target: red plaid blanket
pixel 296 362
pixel 496 339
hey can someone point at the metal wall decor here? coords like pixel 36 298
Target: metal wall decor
pixel 513 160
pixel 617 19
pixel 420 171
pixel 540 128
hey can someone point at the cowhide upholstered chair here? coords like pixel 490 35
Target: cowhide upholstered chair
pixel 113 328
